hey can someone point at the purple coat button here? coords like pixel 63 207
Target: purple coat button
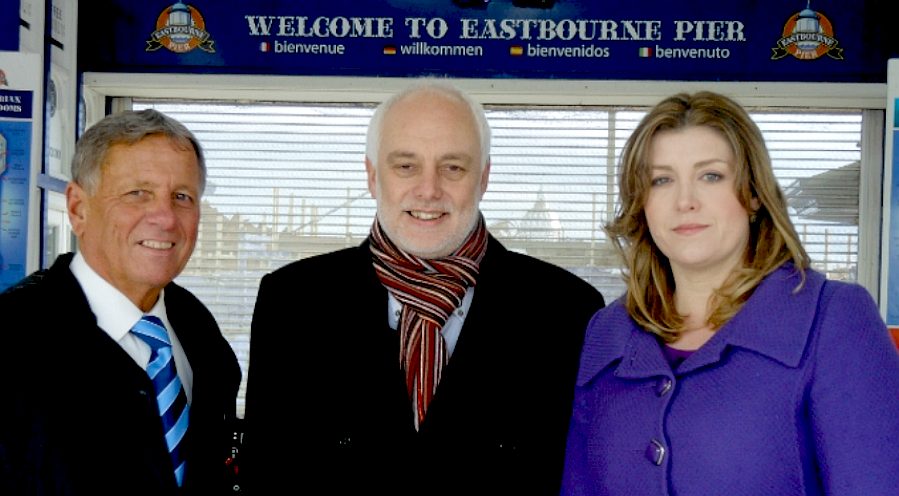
pixel 664 386
pixel 655 452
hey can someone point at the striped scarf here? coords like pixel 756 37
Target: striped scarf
pixel 429 290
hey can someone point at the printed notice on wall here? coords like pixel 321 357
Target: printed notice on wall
pixel 15 142
pixel 16 139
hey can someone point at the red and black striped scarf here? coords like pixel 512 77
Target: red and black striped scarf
pixel 429 290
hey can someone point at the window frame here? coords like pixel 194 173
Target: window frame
pixel 108 92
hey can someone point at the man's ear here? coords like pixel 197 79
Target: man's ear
pixel 371 173
pixel 76 206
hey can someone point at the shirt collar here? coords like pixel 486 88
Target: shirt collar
pixel 115 313
pixel 777 319
pixel 775 322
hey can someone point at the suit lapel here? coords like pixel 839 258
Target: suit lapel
pixel 375 342
pixel 476 346
pixel 78 336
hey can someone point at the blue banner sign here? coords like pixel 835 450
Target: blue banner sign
pixel 742 40
pixel 15 104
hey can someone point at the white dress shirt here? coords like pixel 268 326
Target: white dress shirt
pixel 451 329
pixel 116 314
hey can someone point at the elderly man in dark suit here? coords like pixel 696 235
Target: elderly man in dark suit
pixel 117 380
pixel 430 359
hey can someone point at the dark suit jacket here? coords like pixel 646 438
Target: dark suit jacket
pixel 79 416
pixel 327 409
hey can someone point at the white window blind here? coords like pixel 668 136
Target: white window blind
pixel 287 181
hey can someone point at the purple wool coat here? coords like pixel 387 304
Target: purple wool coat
pixel 797 395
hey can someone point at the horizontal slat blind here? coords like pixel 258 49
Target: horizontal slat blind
pixel 287 181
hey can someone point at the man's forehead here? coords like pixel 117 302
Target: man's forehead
pixel 408 154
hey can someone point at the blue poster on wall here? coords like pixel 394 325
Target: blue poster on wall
pixel 893 279
pixel 889 281
pixel 15 157
pixel 742 40
pixel 893 246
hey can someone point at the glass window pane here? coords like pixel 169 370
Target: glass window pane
pixel 287 181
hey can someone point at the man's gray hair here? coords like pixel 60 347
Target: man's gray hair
pixel 427 85
pixel 127 128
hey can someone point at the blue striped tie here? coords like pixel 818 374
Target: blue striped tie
pixel 173 407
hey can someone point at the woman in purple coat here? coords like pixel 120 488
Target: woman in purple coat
pixel 730 366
